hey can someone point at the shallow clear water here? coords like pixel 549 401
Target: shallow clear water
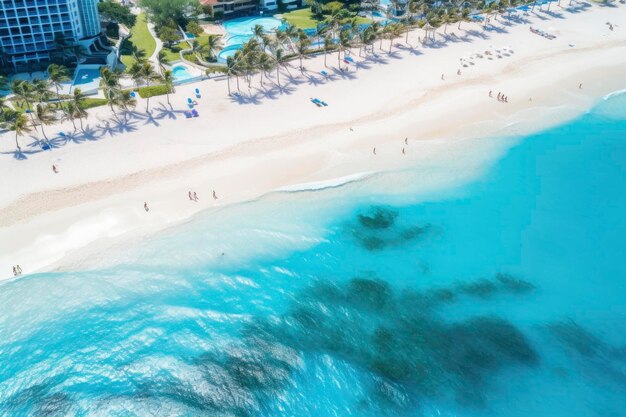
pixel 502 297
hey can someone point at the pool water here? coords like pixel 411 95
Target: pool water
pixel 181 72
pixel 239 31
pixel 86 76
pixel 190 35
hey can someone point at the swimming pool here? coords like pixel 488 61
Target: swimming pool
pixel 190 35
pixel 239 31
pixel 181 73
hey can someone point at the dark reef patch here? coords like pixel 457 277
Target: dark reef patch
pixel 398 336
pixel 575 337
pixel 378 218
pixel 377 228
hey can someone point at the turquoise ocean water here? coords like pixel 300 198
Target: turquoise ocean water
pixel 504 296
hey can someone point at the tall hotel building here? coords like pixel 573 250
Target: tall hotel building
pixel 28 28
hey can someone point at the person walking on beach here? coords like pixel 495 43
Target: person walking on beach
pixel 406 141
pixel 499 94
pixel 195 196
pixel 214 195
pixel 490 93
pixel 374 151
pixel 580 86
pixel 54 169
pixel 403 151
pixel 441 76
pixel 145 206
pixel 189 194
pixel 458 72
pixel 14 271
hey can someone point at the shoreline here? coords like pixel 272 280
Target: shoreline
pixel 44 219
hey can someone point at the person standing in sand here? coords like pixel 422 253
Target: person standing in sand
pixel 189 194
pixel 406 141
pixel 374 151
pixel 145 206
pixel 214 195
pixel 195 196
pixel 54 169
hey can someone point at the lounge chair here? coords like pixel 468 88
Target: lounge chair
pixel 316 102
pixel 45 146
pixel 188 114
pixel 324 73
pixel 197 91
pixel 195 113
pixel 349 59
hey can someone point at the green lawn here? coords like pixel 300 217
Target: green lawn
pixel 140 39
pixel 303 19
pixel 172 53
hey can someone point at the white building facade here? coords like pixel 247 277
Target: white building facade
pixel 31 30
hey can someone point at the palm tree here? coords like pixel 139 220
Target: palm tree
pixel 162 60
pixel 135 72
pixel 40 90
pixel 57 74
pixel 78 103
pixel 302 47
pixel 328 46
pixel 148 74
pixel 19 124
pixel 45 116
pixel 258 31
pixel 168 81
pixel 264 64
pixel 110 84
pixel 281 37
pixel 281 60
pixel 71 113
pixel 214 45
pixel 344 43
pixel 125 101
pixel 395 31
pixel 23 90
pixel 464 16
pixel 231 69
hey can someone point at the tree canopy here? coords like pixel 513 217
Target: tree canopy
pixel 182 11
pixel 115 12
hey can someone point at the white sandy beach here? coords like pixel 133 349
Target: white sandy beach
pixel 246 147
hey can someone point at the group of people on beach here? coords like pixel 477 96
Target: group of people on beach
pixel 501 97
pixel 17 270
pixel 193 196
pixel 406 142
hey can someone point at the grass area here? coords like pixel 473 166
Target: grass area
pixel 94 102
pixel 303 19
pixel 140 40
pixel 153 90
pixel 172 53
